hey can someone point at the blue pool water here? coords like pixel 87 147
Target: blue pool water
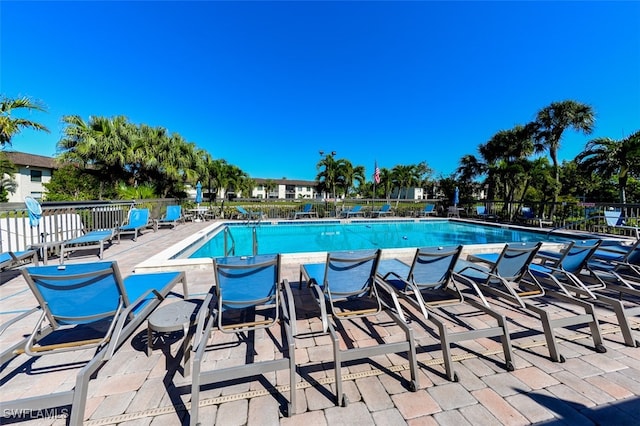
pixel 333 236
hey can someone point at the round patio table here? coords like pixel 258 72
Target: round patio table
pixel 176 316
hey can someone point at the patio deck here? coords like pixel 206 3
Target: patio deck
pixel 136 389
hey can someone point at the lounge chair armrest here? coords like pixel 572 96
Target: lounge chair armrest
pixel 122 320
pixel 575 281
pixel 500 279
pixel 319 295
pixel 207 311
pixel 201 338
pixel 392 293
pixel 289 306
pixel 473 286
pixel 551 278
pixel 20 317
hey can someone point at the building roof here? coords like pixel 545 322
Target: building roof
pixel 261 181
pixel 24 159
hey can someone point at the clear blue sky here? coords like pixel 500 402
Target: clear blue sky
pixel 266 85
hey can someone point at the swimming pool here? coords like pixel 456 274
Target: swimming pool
pixel 180 256
pixel 312 237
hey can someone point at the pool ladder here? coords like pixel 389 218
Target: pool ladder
pixel 230 248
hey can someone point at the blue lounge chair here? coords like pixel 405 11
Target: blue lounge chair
pixel 429 209
pixel 138 220
pixel 616 220
pixel 354 211
pixel 483 213
pixel 508 275
pixel 307 211
pixel 11 259
pixel 622 262
pixel 248 295
pixel 89 241
pixel 430 286
pixel 384 210
pixel 244 214
pixel 82 307
pixel 345 288
pixel 527 215
pixel 172 217
pixel 571 270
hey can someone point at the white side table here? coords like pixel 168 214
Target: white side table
pixel 176 316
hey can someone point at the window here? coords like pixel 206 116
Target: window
pixel 36 175
pixel 37 196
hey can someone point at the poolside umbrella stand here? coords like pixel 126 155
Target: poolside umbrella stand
pixel 35 211
pixel 198 193
pixel 198 201
pixel 456 197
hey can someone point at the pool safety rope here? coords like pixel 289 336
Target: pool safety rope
pixel 323 381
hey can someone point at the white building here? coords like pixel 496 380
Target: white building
pixel 33 172
pixel 289 189
pixel 409 194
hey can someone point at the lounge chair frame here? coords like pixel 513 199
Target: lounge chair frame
pixel 501 278
pixel 616 220
pixel 92 240
pixel 277 295
pixel 172 217
pixel 429 209
pixel 137 220
pixel 12 259
pixel 127 316
pixel 307 211
pixel 385 210
pixel 244 214
pixel 355 211
pixel 623 265
pixel 527 215
pixel 570 270
pixel 360 282
pixel 436 264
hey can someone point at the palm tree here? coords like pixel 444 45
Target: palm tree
pixel 328 178
pixel 608 158
pixel 470 168
pixel 348 175
pixel 7 182
pixel 404 177
pixel 549 126
pixel 386 182
pixel 217 175
pixel 269 186
pixel 425 174
pixel 506 153
pixel 10 126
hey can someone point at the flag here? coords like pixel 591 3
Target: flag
pixel 376 174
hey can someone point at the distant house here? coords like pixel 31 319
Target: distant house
pixel 33 172
pixel 285 189
pixel 409 194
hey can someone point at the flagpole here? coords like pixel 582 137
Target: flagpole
pixel 373 197
pixel 376 176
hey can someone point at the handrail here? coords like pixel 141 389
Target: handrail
pixel 228 234
pixel 231 251
pixel 254 233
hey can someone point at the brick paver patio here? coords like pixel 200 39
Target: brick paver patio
pixel 136 389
